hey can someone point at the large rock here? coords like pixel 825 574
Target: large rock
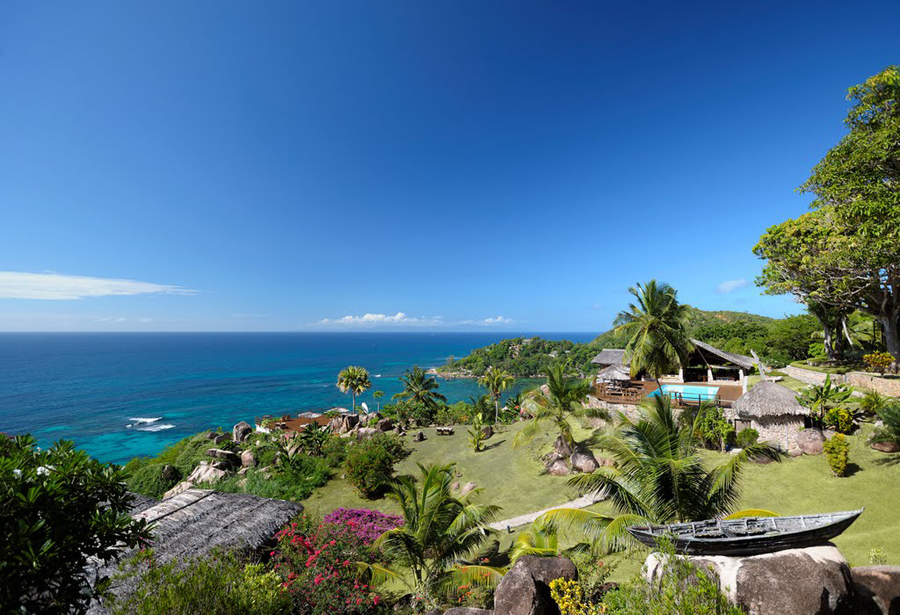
pixel 583 460
pixel 467 610
pixel 488 432
pixel 887 447
pixel 248 459
pixel 558 467
pixel 418 436
pixel 467 489
pixel 205 473
pixel 221 437
pixel 562 447
pixel 878 588
pixel 525 589
pixel 240 431
pixel 170 473
pixel 811 581
pixel 348 422
pixel 224 455
pixel 810 441
pixel 364 433
pixel 384 425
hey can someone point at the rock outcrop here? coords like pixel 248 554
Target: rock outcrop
pixel 248 459
pixel 205 473
pixel 812 581
pixel 583 460
pixel 558 467
pixel 810 441
pixel 224 455
pixel 241 431
pixel 525 589
pixel 887 447
pixel 878 588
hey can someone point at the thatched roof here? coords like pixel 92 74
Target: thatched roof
pixel 609 356
pixel 768 399
pixel 196 521
pixel 732 357
pixel 614 372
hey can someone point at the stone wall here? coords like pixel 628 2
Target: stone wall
pixel 779 430
pixel 885 386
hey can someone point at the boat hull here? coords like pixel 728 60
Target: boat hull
pixel 749 544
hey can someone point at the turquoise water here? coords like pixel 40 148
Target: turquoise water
pixel 120 395
pixel 689 392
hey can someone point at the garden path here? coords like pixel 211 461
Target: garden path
pixel 582 502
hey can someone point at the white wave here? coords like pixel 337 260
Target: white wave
pixel 145 420
pixel 156 427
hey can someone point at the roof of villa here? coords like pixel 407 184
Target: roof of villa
pixel 610 356
pixel 738 359
pixel 768 399
pixel 197 521
pixel 614 372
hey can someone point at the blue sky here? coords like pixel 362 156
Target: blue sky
pixel 213 165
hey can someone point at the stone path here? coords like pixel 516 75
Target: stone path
pixel 582 502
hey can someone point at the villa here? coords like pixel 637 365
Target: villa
pixel 710 374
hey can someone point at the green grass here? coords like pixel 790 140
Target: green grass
pixel 513 478
pixel 840 369
pixel 786 381
pixel 805 485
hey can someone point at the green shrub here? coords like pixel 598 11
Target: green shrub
pixel 840 419
pixel 370 462
pixel 335 451
pixel 149 479
pixel 58 509
pixel 307 474
pixel 222 584
pixel 878 361
pixel 872 402
pixel 459 413
pixel 837 452
pixel 747 437
pixel 890 416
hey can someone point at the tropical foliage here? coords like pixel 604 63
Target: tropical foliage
pixel 561 403
pixel 820 399
pixel 890 417
pixel 837 452
pixel 354 380
pixel 440 537
pixel 476 433
pixel 59 509
pixel 420 389
pixel 496 381
pixel 370 462
pixel 655 326
pixel 659 477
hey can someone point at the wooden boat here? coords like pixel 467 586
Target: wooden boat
pixel 747 536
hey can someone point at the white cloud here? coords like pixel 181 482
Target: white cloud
pixel 400 318
pixel 730 286
pixel 58 287
pixel 497 320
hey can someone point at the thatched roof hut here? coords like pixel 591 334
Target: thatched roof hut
pixel 609 356
pixel 613 372
pixel 768 399
pixel 197 521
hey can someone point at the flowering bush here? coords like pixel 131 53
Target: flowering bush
pixel 318 564
pixel 366 525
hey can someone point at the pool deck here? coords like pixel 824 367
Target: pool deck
pixel 636 390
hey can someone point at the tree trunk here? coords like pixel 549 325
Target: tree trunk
pixel 891 335
pixel 496 410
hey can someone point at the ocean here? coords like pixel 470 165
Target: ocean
pixel 122 395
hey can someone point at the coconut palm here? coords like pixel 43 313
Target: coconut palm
pixel 420 388
pixel 496 381
pixel 658 342
pixel 377 395
pixel 440 535
pixel 562 402
pixel 658 477
pixel 540 539
pixel 355 380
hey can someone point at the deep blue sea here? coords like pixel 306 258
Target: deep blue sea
pixel 120 395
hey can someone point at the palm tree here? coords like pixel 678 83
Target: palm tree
pixel 496 381
pixel 441 532
pixel 420 388
pixel 377 395
pixel 658 342
pixel 659 477
pixel 354 380
pixel 562 402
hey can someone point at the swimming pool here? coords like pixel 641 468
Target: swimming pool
pixel 688 392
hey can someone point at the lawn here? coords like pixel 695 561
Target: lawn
pixel 513 478
pixel 786 381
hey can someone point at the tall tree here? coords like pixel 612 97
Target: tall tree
pixel 354 380
pixel 496 381
pixel 659 477
pixel 658 342
pixel 440 533
pixel 420 388
pixel 561 402
pixel 853 260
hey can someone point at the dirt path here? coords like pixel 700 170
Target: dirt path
pixel 582 502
